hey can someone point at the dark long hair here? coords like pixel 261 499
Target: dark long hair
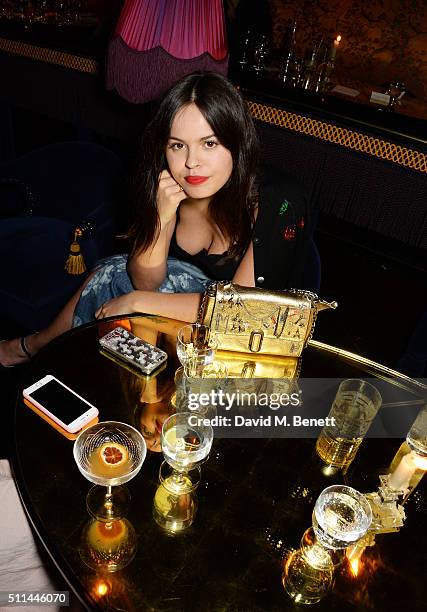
pixel 232 207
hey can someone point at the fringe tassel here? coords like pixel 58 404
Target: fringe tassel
pixel 75 263
pixel 131 72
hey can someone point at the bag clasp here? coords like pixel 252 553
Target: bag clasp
pixel 255 341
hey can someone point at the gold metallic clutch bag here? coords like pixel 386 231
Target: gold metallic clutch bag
pixel 253 320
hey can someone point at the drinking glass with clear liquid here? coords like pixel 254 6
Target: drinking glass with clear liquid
pixel 353 410
pixel 341 517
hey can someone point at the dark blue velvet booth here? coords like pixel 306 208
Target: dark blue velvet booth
pixel 44 195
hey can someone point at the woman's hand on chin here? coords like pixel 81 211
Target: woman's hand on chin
pixel 170 194
pixel 125 304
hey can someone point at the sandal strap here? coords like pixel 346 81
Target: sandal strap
pixel 24 347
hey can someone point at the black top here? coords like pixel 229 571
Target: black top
pixel 283 232
pixel 215 266
pixel 281 241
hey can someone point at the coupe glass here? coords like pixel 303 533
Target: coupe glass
pixel 109 454
pixel 194 343
pixel 186 443
pixel 341 517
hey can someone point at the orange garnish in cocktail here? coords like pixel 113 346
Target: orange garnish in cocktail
pixel 113 454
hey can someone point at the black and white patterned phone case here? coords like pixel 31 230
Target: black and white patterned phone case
pixel 131 349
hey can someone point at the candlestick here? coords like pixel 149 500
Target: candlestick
pixel 334 47
pixel 399 479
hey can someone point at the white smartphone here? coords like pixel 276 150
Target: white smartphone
pixel 60 403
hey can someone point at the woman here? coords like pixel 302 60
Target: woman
pixel 199 216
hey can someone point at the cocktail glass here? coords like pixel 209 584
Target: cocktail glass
pixel 109 454
pixel 194 343
pixel 186 443
pixel 341 517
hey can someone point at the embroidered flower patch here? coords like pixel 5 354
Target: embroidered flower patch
pixel 283 207
pixel 289 232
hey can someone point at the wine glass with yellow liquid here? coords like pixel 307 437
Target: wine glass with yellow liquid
pixel 186 444
pixel 109 454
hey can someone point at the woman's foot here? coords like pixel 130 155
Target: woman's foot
pixel 14 352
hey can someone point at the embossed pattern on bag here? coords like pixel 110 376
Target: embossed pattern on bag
pixel 253 320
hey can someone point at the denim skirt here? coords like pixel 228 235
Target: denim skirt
pixel 112 280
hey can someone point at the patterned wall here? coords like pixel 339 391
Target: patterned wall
pixel 382 40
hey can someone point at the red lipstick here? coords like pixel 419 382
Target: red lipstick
pixel 196 180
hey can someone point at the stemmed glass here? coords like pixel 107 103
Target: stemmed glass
pixel 186 444
pixel 194 343
pixel 109 454
pixel 341 517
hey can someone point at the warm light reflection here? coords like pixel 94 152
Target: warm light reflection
pixel 420 462
pixel 354 564
pixel 339 38
pixel 354 556
pixel 288 561
pixel 329 470
pixel 101 588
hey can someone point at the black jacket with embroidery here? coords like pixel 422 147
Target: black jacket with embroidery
pixel 282 232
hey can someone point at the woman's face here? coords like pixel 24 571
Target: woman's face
pixel 196 158
pixel 151 422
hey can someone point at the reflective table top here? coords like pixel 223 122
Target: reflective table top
pixel 255 499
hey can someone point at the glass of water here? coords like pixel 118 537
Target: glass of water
pixel 341 517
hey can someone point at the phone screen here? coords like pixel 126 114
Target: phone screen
pixel 59 401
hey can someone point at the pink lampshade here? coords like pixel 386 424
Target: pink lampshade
pixel 183 28
pixel 157 42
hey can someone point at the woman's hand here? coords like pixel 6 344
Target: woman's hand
pixel 169 196
pixel 125 304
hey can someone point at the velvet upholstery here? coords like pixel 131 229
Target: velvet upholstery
pixel 44 195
